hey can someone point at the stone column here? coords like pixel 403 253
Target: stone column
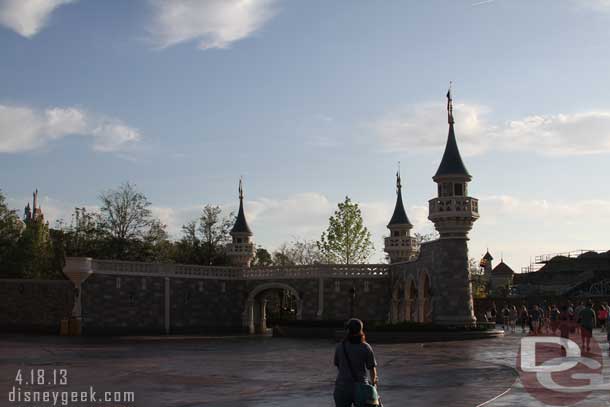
pixel 167 307
pixel 320 312
pixel 78 269
pixel 394 311
pixel 262 323
pixel 249 322
pixel 452 294
pixel 421 309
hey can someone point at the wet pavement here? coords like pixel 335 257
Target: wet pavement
pixel 263 371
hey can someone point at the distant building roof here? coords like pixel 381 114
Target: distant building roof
pixel 502 268
pixel 488 256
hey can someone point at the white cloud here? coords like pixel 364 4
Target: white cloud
pixel 596 5
pixel 26 129
pixel 113 136
pixel 213 23
pixel 425 127
pixel 28 17
pixel 524 228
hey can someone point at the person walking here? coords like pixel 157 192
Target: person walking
pixel 525 317
pixel 602 316
pixel 587 323
pixel 536 318
pixel 565 325
pixel 514 316
pixel 577 311
pixel 554 319
pixel 353 358
pixel 505 317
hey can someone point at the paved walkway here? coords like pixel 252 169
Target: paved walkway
pixel 259 371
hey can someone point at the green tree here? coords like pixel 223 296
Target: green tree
pixel 35 255
pixel 214 231
pixel 262 257
pixel 298 252
pixel 10 231
pixel 128 229
pixel 85 236
pixel 203 240
pixel 346 240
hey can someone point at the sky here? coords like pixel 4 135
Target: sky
pixel 310 102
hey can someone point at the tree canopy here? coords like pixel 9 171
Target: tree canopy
pixel 346 240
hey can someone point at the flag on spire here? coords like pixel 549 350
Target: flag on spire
pixel 241 189
pixel 398 182
pixel 449 105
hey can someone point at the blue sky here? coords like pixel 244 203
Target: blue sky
pixel 310 101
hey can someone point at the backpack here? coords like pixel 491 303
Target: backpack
pixel 365 395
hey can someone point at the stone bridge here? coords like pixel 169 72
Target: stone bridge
pixel 132 297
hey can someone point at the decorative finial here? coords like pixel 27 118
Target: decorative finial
pixel 398 182
pixel 241 189
pixel 449 105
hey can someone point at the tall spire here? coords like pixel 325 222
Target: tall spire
pixel 399 217
pixel 35 199
pixel 241 225
pixel 451 163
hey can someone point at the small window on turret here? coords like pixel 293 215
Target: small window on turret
pixel 459 190
pixel 447 189
pixel 396 233
pixel 238 240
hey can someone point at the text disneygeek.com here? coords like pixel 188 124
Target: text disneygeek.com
pixel 23 393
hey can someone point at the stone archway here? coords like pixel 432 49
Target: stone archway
pixel 410 300
pixel 254 315
pixel 423 300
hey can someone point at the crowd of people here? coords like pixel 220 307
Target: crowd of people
pixel 565 319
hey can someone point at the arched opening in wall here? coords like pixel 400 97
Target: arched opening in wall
pixel 269 304
pixel 411 306
pixel 425 312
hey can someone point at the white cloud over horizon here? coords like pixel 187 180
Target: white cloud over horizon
pixel 420 127
pixel 26 129
pixel 212 23
pixel 28 17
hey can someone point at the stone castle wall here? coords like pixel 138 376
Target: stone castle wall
pixel 444 263
pixel 139 298
pixel 34 305
pixel 122 304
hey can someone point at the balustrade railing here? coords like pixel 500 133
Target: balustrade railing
pixel 453 204
pixel 235 273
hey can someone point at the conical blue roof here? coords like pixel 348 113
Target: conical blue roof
pixel 452 163
pixel 241 225
pixel 399 217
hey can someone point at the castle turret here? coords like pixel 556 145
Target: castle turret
pixel 453 212
pixel 241 249
pixel 487 265
pixel 400 246
pixel 35 212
